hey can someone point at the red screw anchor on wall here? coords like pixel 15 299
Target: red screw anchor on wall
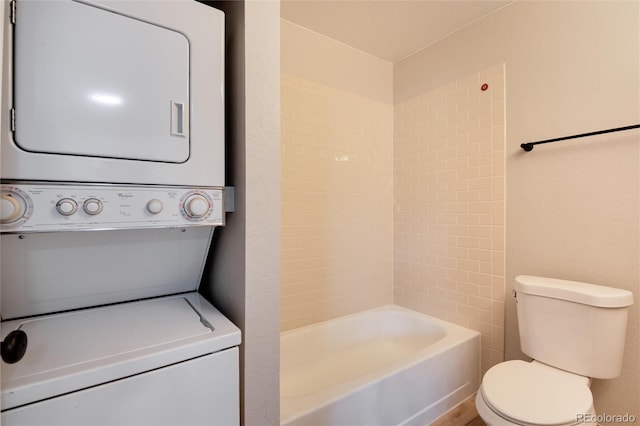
pixel 484 87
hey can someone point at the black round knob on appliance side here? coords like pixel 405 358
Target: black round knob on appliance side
pixel 14 346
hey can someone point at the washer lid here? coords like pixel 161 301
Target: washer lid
pixel 531 393
pixel 80 349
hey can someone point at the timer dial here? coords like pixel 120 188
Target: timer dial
pixel 12 207
pixel 197 206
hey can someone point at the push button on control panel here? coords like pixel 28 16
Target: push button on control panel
pixel 154 206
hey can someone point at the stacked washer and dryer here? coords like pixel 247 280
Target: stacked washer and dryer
pixel 112 184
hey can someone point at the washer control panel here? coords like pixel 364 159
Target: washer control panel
pixel 34 207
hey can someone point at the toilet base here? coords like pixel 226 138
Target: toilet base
pixel 492 419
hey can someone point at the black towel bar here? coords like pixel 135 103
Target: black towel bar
pixel 529 145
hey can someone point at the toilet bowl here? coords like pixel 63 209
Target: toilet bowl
pixel 534 394
pixel 573 331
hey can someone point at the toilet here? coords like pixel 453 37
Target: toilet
pixel 574 332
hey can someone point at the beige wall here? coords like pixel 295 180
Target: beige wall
pixel 317 58
pixel 244 267
pixel 449 206
pixel 572 208
pixel 262 292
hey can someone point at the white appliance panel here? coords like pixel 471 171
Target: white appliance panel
pixel 73 351
pixel 95 83
pixel 202 391
pixel 34 207
pixel 51 272
pixel 160 162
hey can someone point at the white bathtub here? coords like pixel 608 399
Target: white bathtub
pixel 386 366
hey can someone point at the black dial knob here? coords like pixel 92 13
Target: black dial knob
pixel 14 346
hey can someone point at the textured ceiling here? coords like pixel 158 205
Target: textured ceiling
pixel 388 29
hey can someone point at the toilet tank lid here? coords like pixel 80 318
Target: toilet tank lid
pixel 574 291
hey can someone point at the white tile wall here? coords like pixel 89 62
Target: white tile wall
pixel 449 158
pixel 402 203
pixel 337 208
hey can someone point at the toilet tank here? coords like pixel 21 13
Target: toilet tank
pixel 573 326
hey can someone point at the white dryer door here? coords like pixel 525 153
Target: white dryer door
pixel 92 82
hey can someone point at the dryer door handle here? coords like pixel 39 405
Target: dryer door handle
pixel 177 118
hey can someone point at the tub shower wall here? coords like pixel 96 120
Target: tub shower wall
pixel 337 207
pixel 347 152
pixel 449 233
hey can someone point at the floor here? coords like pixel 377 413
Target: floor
pixel 464 414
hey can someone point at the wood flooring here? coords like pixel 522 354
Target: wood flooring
pixel 464 414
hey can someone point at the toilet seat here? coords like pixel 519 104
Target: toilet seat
pixel 535 394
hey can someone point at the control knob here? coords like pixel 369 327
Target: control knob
pixel 66 206
pixel 92 206
pixel 14 346
pixel 197 206
pixel 12 207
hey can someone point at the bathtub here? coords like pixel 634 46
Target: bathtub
pixel 386 366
